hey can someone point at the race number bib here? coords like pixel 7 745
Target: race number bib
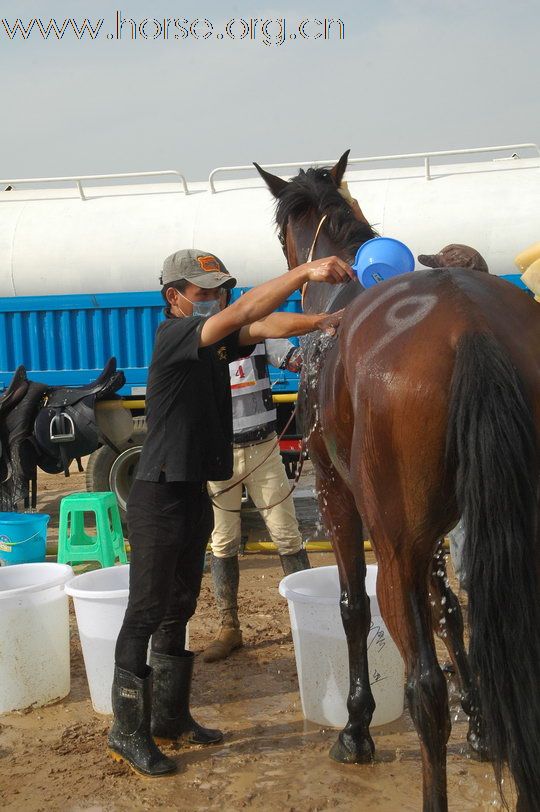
pixel 242 374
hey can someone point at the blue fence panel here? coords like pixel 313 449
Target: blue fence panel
pixel 67 339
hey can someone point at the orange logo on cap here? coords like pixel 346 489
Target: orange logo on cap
pixel 209 264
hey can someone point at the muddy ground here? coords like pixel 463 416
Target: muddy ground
pixel 55 758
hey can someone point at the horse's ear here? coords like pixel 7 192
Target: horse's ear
pixel 274 182
pixel 338 170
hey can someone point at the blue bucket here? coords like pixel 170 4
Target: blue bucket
pixel 380 259
pixel 23 538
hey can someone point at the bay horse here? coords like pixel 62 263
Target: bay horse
pixel 423 409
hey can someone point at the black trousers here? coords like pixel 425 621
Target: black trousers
pixel 169 525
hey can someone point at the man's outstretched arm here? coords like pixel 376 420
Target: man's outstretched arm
pixel 262 300
pixel 285 325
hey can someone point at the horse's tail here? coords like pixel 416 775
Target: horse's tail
pixel 492 441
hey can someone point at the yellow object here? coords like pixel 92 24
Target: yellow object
pixel 527 257
pixel 291 397
pixel 318 546
pixel 531 278
pixel 107 405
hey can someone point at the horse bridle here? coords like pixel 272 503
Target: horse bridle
pixel 312 249
pixel 282 237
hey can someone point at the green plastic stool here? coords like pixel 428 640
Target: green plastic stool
pixel 75 545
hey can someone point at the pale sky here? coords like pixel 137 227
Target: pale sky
pixel 408 76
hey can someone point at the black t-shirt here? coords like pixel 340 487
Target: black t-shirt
pixel 188 405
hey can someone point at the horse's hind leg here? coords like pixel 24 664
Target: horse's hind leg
pixel 340 515
pixel 448 624
pixel 404 570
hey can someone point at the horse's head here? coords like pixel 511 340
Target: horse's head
pixel 315 221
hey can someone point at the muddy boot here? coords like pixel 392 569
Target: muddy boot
pixel 295 562
pixel 171 717
pixel 226 576
pixel 129 738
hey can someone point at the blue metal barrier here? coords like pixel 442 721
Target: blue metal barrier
pixel 68 339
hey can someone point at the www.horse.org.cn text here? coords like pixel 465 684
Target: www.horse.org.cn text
pixel 121 27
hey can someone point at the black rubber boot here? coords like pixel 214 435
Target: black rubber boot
pixel 295 562
pixel 226 577
pixel 171 717
pixel 129 738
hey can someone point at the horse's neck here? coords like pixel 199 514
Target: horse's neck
pixel 321 297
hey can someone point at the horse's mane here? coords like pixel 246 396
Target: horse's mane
pixel 316 190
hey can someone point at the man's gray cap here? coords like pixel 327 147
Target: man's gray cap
pixel 455 255
pixel 198 268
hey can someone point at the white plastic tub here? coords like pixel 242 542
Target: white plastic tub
pixel 100 598
pixel 34 635
pixel 320 647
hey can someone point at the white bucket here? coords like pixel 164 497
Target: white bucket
pixel 320 646
pixel 34 635
pixel 100 598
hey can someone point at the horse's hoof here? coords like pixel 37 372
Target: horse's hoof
pixel 479 749
pixel 347 750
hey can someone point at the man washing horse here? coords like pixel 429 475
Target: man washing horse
pixel 189 441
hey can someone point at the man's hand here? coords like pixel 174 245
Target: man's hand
pixel 329 322
pixel 329 269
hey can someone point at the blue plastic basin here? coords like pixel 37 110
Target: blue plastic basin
pixel 23 538
pixel 380 259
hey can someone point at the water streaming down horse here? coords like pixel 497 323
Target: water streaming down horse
pixel 424 409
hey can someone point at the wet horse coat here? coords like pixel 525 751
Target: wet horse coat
pixel 425 409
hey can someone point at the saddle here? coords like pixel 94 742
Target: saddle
pixel 48 427
pixel 15 392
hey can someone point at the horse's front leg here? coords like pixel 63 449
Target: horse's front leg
pixel 354 744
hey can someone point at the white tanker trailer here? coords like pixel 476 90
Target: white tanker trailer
pixel 70 235
pixel 80 258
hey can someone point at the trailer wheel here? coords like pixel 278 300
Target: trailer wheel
pixel 108 471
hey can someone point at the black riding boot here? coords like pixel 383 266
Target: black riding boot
pixel 295 562
pixel 171 717
pixel 226 577
pixel 129 738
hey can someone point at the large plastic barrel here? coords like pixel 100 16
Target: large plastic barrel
pixel 320 648
pixel 100 598
pixel 34 650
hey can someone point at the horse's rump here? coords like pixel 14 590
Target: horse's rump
pixel 389 377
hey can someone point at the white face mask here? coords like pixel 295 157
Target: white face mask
pixel 204 309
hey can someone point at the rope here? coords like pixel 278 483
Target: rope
pixel 239 481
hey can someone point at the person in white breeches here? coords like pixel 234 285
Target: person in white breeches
pixel 259 468
pixel 266 485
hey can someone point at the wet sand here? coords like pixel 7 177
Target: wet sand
pixel 55 758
